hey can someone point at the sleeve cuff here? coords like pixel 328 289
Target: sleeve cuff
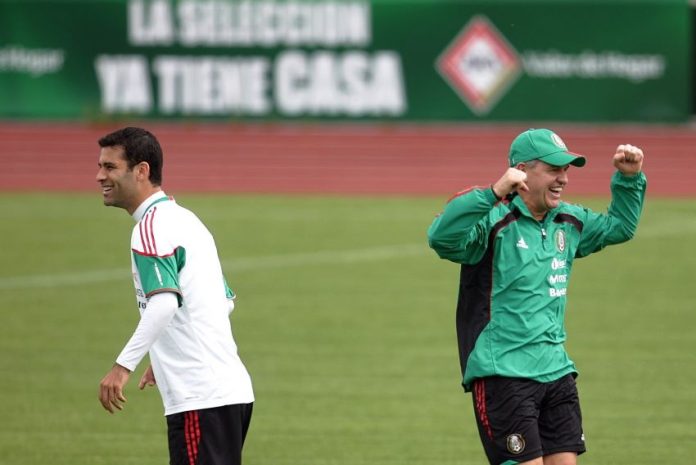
pixel 128 365
pixel 490 195
pixel 637 180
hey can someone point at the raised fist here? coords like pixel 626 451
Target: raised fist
pixel 512 180
pixel 628 159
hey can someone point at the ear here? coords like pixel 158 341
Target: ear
pixel 142 172
pixel 521 167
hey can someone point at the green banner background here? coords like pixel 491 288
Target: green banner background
pixel 417 32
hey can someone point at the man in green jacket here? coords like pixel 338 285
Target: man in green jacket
pixel 516 241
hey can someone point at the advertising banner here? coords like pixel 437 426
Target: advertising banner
pixel 345 59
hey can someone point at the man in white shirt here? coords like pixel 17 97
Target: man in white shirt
pixel 184 303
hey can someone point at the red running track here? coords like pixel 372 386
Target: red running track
pixel 337 159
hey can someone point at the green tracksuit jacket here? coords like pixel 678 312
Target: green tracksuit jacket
pixel 515 272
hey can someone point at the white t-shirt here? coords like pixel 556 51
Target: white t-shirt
pixel 194 356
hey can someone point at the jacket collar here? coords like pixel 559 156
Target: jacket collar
pixel 518 203
pixel 157 197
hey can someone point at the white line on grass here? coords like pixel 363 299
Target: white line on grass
pixel 324 257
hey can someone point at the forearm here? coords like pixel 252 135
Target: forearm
pixel 628 194
pixel 455 228
pixel 619 224
pixel 159 312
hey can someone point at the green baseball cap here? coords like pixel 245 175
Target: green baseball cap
pixel 544 145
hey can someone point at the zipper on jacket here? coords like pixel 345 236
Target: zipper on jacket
pixel 543 237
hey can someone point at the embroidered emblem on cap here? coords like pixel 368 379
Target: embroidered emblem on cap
pixel 558 141
pixel 515 443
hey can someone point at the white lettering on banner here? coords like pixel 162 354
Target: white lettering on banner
pixel 557 264
pixel 125 83
pixel 272 23
pixel 594 65
pixel 151 24
pixel 481 65
pixel 353 83
pixel 287 82
pixel 557 292
pixel 212 85
pixel 558 278
pixel 33 61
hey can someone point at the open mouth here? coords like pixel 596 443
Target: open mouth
pixel 556 192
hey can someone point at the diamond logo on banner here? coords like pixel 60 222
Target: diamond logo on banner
pixel 480 65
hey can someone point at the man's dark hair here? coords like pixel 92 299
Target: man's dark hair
pixel 139 146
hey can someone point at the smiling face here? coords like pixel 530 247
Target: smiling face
pixel 546 183
pixel 121 185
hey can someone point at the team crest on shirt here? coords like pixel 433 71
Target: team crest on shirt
pixel 515 443
pixel 560 240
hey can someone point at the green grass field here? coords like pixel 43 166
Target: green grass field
pixel 345 320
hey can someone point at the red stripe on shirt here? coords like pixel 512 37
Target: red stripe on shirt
pixel 465 191
pixel 145 254
pixel 143 238
pixel 151 231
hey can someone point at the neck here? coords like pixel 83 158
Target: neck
pixel 537 213
pixel 142 196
